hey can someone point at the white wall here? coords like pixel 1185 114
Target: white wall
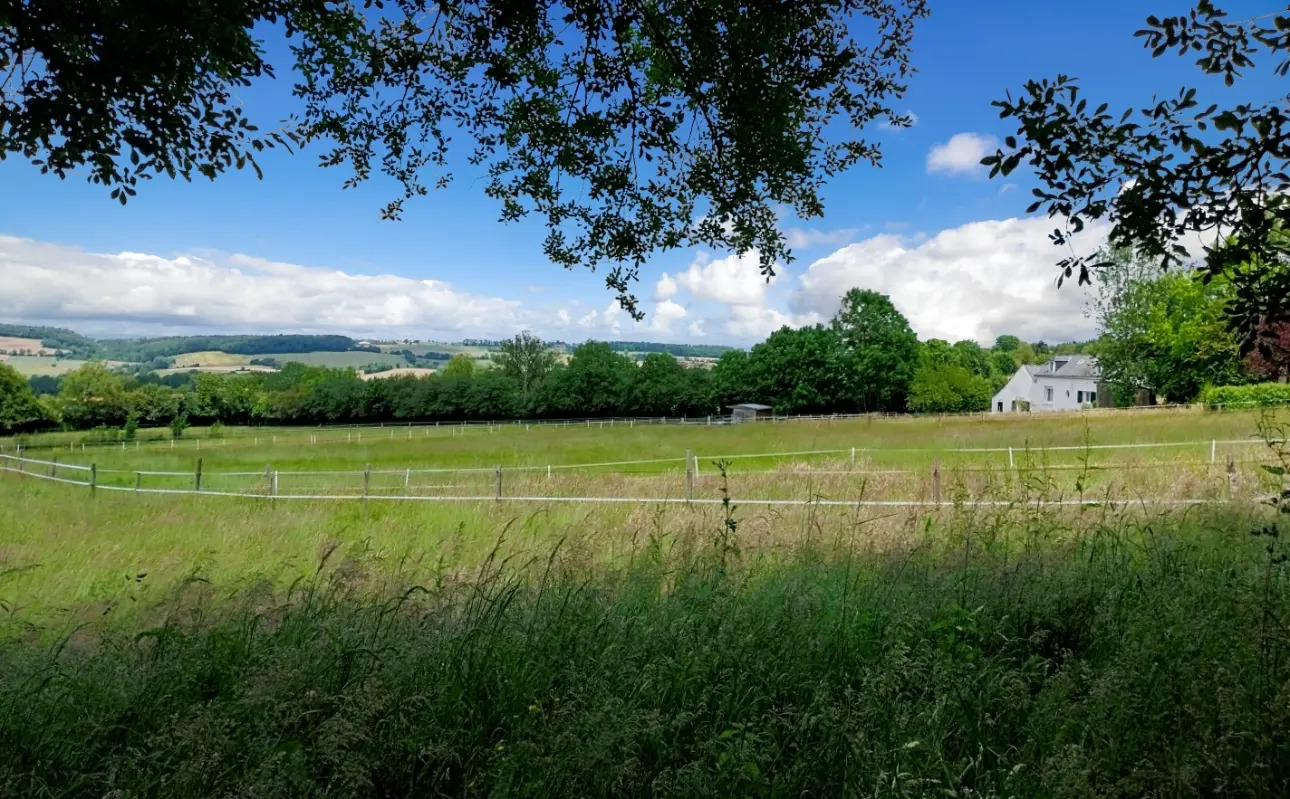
pixel 1066 393
pixel 1018 388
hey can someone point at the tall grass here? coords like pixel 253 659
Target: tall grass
pixel 1018 654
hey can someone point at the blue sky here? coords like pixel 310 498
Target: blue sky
pixel 295 252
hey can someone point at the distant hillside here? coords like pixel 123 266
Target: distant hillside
pixel 58 338
pixel 146 349
pixel 679 350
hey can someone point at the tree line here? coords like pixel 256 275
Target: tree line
pixel 867 359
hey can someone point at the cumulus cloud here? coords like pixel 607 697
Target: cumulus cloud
pixel 664 314
pixel 961 155
pixel 976 281
pixel 135 292
pixel 665 289
pixel 733 280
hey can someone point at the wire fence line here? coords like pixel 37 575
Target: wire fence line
pixel 354 433
pixel 813 501
pixel 697 458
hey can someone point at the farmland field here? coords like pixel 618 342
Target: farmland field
pixel 33 365
pixel 299 646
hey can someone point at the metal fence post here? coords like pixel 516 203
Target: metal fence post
pixel 497 482
pixel 689 474
pixel 94 478
pixel 53 467
pixel 138 481
pixel 197 477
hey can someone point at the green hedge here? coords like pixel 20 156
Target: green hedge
pixel 1259 395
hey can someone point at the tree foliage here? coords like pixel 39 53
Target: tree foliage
pixel 946 388
pixel 1175 169
pixel 882 347
pixel 19 408
pixel 526 359
pixel 1166 333
pixel 617 123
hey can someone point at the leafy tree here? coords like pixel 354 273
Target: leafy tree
pixel 19 408
pixel 461 366
pixel 616 122
pixel 92 396
pixel 731 380
pixel 43 385
pixel 1166 333
pixel 153 405
pixel 594 383
pixel 526 359
pixel 946 388
pixel 883 349
pixel 660 387
pixel 803 370
pixel 937 352
pixel 1174 169
pixel 1007 343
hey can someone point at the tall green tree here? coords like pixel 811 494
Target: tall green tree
pixel 802 370
pixel 91 396
pixel 526 359
pixel 616 122
pixel 1167 333
pixel 594 383
pixel 883 349
pixel 731 379
pixel 460 366
pixel 19 408
pixel 659 387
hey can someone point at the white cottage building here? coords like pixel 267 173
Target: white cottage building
pixel 1066 383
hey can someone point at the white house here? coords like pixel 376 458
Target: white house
pixel 1066 383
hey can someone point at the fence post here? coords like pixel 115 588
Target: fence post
pixel 367 483
pixel 407 478
pixel 497 482
pixel 273 487
pixel 138 481
pixel 197 476
pixel 689 474
pixel 53 467
pixel 548 471
pixel 1010 465
pixel 268 477
pixel 1231 476
pixel 853 456
pixel 1213 450
pixel 94 478
pixel 936 480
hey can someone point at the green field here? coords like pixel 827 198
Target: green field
pixel 287 648
pixel 34 365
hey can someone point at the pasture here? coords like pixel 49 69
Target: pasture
pixel 45 365
pixel 283 647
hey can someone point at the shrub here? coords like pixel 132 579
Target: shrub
pixel 178 425
pixel 1259 395
pixel 217 430
pixel 131 429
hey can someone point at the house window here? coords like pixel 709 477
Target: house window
pixel 1092 397
pixel 1048 393
pixel 1079 396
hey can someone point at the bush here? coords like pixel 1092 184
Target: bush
pixel 131 429
pixel 1259 395
pixel 217 430
pixel 178 425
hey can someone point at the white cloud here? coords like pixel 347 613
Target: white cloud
pixel 756 323
pixel 961 155
pixel 664 314
pixel 137 292
pixel 696 329
pixel 801 238
pixel 665 289
pixel 976 281
pixel 733 280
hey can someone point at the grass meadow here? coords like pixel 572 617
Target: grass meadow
pixel 172 645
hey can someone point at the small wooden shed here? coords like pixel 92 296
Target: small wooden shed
pixel 750 412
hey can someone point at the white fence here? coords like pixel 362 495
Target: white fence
pixel 266 482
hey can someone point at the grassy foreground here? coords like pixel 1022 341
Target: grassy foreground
pixel 1023 654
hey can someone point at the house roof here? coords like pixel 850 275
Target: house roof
pixel 1076 366
pixel 751 406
